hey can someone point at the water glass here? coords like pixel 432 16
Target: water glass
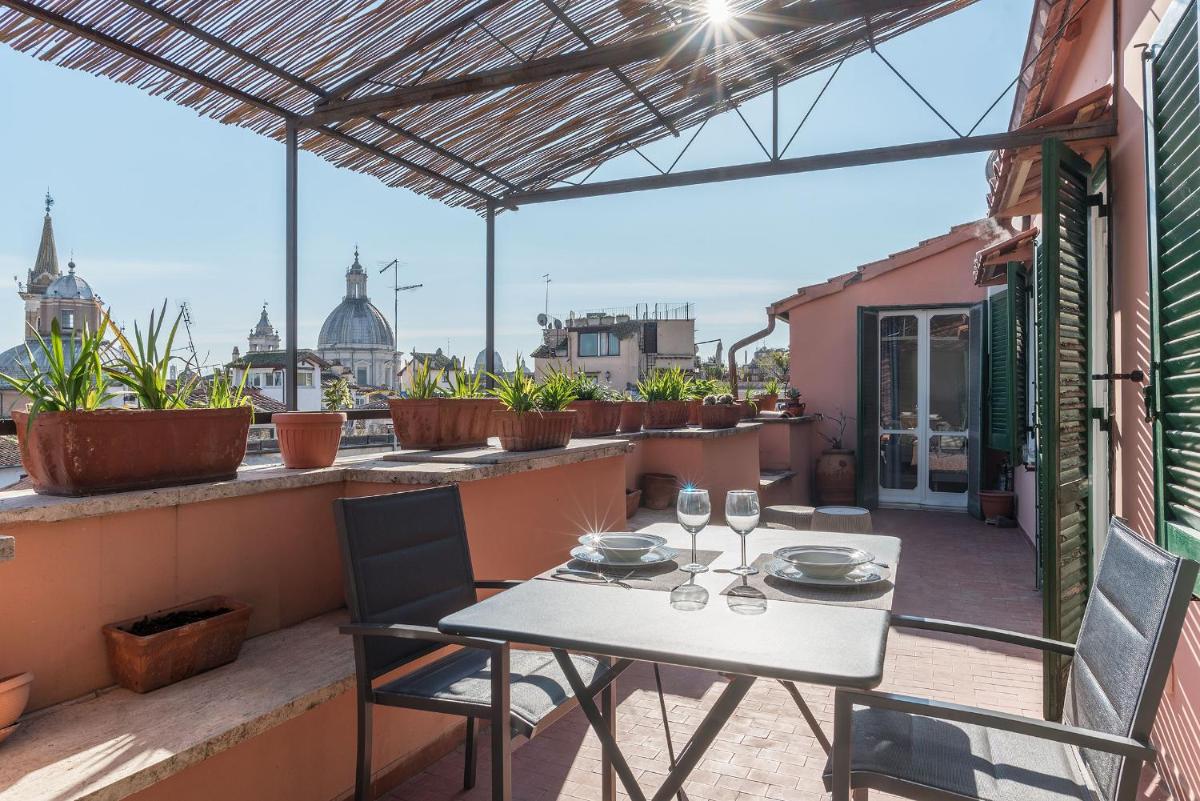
pixel 689 596
pixel 693 511
pixel 741 515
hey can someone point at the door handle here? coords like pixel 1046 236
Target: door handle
pixel 1136 376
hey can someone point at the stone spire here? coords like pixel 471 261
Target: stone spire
pixel 356 279
pixel 263 336
pixel 45 267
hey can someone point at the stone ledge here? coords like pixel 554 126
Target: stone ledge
pixel 493 454
pixel 694 433
pixel 114 743
pixel 807 418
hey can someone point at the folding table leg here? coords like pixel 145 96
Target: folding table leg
pixel 608 705
pixel 662 705
pixel 809 717
pixel 501 727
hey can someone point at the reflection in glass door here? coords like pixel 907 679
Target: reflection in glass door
pixel 923 386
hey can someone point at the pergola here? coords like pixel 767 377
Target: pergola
pixel 490 104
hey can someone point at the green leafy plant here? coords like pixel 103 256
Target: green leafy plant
pixel 517 394
pixel 465 385
pixel 699 388
pixel 73 378
pixel 556 393
pixel 588 388
pixel 665 385
pixel 337 395
pixel 425 382
pixel 792 394
pixel 224 394
pixel 144 368
pixel 771 386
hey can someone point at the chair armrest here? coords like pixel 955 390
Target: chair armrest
pixel 971 630
pixel 426 633
pixel 498 584
pixel 1041 729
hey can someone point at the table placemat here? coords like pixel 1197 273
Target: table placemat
pixel 871 596
pixel 663 577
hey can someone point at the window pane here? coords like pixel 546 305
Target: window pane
pixel 898 372
pixel 588 344
pixel 948 372
pixel 947 464
pixel 898 461
pixel 614 345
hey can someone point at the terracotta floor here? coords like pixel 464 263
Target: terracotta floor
pixel 952 567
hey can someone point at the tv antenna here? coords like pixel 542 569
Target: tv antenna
pixel 394 265
pixel 185 310
pixel 546 278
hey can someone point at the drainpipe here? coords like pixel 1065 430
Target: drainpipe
pixel 741 343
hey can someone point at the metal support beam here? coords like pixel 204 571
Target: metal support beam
pixel 676 46
pixel 582 36
pixel 291 283
pixel 827 161
pixel 774 116
pixel 489 314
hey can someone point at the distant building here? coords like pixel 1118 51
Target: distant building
pixel 436 361
pixel 618 348
pixel 357 336
pixel 266 368
pixel 263 336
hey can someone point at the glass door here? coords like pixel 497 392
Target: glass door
pixel 923 401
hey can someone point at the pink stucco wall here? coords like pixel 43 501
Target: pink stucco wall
pixel 824 337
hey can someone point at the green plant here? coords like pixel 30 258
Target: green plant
pixel 665 385
pixel 718 400
pixel 426 383
pixel 224 394
pixel 792 394
pixel 73 379
pixel 144 369
pixel 701 387
pixel 337 395
pixel 466 385
pixel 556 393
pixel 771 386
pixel 588 388
pixel 517 394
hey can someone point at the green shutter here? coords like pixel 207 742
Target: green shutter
pixel 868 407
pixel 1006 366
pixel 1173 161
pixel 1063 400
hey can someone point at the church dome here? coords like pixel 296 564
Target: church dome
pixel 355 321
pixel 481 361
pixel 70 287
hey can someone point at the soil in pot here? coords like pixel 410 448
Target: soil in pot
pixel 631 416
pixel 595 418
pixel 309 439
pixel 534 431
pixel 665 414
pixel 173 620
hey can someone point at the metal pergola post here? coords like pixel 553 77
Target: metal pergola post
pixel 290 326
pixel 489 356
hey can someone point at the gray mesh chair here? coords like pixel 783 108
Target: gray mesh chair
pixel 407 565
pixel 925 749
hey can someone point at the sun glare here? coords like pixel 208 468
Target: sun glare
pixel 717 11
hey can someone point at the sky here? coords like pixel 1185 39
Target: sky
pixel 154 202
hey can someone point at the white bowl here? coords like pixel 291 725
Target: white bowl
pixel 824 561
pixel 622 546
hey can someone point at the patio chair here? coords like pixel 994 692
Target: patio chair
pixel 924 749
pixel 407 565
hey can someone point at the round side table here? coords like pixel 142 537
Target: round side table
pixel 845 519
pixel 788 516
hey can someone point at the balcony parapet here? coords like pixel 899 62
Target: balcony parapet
pixel 693 433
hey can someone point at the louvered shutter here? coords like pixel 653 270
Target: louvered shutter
pixel 1064 429
pixel 1000 373
pixel 1173 162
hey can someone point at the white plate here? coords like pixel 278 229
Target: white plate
pixel 656 557
pixel 860 577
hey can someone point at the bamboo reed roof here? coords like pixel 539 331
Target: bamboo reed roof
pixel 258 63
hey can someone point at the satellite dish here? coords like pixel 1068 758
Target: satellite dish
pixel 542 320
pixel 557 323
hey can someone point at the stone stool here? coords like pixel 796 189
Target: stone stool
pixel 797 517
pixel 845 519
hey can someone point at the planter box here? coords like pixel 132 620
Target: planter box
pixel 111 450
pixel 145 663
pixel 534 431
pixel 595 418
pixel 749 409
pixel 720 415
pixel 633 499
pixel 632 413
pixel 665 414
pixel 437 424
pixel 693 418
pixel 309 439
pixel 659 490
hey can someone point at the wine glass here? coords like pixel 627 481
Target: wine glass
pixel 693 510
pixel 741 515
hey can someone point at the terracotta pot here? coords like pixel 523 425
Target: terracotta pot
pixel 534 431
pixel 794 409
pixel 665 414
pixel 720 415
pixel 632 413
pixel 111 450
pixel 749 408
pixel 659 490
pixel 595 418
pixel 308 439
pixel 693 418
pixel 437 424
pixel 633 499
pixel 766 403
pixel 14 695
pixel 148 662
pixel 835 477
pixel 7 730
pixel 996 503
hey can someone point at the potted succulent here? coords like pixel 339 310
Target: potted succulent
pixel 792 405
pixel 632 412
pixel 70 445
pixel 598 407
pixel 835 466
pixel 768 396
pixel 431 418
pixel 719 411
pixel 698 390
pixel 532 417
pixel 152 651
pixel 311 439
pixel 667 393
